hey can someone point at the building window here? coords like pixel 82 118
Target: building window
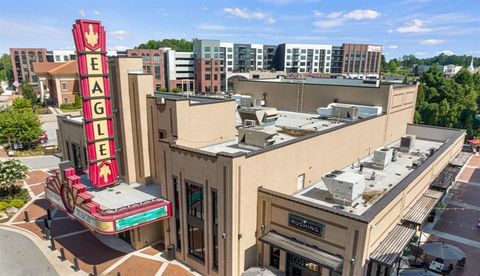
pixel 229 50
pixel 65 100
pixel 215 228
pixel 40 56
pixel 208 77
pixel 274 257
pixel 215 49
pixel 208 55
pixel 215 77
pixel 65 58
pixel 157 72
pixel 57 58
pixel 196 243
pixel 64 86
pixel 156 58
pixel 176 206
pixel 289 51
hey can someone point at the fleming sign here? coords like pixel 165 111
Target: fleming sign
pixel 90 43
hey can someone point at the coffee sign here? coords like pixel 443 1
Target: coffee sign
pixel 90 43
pixel 306 224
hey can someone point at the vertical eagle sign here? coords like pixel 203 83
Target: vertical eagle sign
pixel 90 44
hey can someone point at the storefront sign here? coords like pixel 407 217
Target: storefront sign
pixel 140 218
pixel 294 259
pixel 85 217
pixel 90 43
pixel 305 224
pixel 53 197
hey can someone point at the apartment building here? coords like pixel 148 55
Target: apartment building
pixel 361 60
pixel 207 65
pixel 22 60
pixel 304 58
pixel 61 55
pixel 179 69
pixel 153 63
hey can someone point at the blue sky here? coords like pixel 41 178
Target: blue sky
pixel 421 27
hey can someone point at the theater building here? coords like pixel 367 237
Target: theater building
pixel 327 179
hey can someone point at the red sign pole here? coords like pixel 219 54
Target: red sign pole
pixel 90 43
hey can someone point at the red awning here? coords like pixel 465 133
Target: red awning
pixel 474 141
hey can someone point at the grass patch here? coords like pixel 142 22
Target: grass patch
pixel 29 152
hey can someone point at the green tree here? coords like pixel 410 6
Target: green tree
pixel 6 72
pixel 22 104
pixel 383 64
pixel 28 92
pixel 10 171
pixel 20 126
pixel 180 45
pixel 176 90
pixel 393 66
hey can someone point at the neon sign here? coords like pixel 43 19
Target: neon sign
pixel 90 43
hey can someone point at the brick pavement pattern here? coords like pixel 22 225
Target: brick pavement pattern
pixel 135 265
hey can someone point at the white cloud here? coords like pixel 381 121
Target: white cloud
pixel 390 31
pixel 251 15
pixel 414 26
pixel 337 18
pixel 270 20
pixel 164 13
pixel 393 47
pixel 317 13
pixel 446 52
pixel 96 12
pixel 432 41
pixel 205 8
pixel 210 27
pixel 82 13
pixel 119 35
pixel 421 53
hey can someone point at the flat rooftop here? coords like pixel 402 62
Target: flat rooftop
pixel 122 195
pixel 330 81
pixel 384 181
pixel 192 98
pixel 303 123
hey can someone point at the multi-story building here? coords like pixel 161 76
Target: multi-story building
pixel 153 63
pixel 61 55
pixel 22 63
pixel 207 65
pixel 361 60
pixel 179 69
pixel 337 58
pixel 253 186
pixel 304 58
pixel 269 52
pixel 58 82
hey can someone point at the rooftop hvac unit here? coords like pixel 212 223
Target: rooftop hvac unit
pixel 407 143
pixel 382 157
pixel 345 111
pixel 256 136
pixel 249 123
pixel 250 102
pixel 345 187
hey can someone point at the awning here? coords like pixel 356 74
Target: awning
pixel 315 255
pixel 422 208
pixel 445 178
pixel 388 251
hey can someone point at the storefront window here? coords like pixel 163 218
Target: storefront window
pixel 176 206
pixel 274 257
pixel 195 222
pixel 215 228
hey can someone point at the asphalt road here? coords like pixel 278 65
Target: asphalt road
pixel 40 162
pixel 20 256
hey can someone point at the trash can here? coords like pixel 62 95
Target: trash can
pixel 170 252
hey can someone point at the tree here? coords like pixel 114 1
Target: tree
pixel 20 126
pixel 176 90
pixel 383 64
pixel 21 104
pixel 28 92
pixel 393 66
pixel 180 45
pixel 10 171
pixel 6 72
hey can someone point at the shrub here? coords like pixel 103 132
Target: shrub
pixel 3 205
pixel 17 203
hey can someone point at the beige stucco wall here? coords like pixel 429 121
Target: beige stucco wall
pixel 71 132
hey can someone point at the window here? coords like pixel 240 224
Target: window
pixel 207 62
pixel 289 51
pixel 64 86
pixel 229 50
pixel 303 57
pixel 303 51
pixel 316 51
pixel 195 223
pixel 157 72
pixel 133 54
pixel 289 57
pixel 259 57
pixel 176 203
pixel 274 257
pixel 208 77
pixel 215 49
pixel 229 63
pixel 57 58
pixel 260 51
pixel 259 63
pixel 156 58
pixel 215 228
pixel 328 57
pixel 208 55
pixel 207 49
pixel 40 56
pixel 215 77
pixel 65 58
pixel 65 100
pixel 328 52
pixel 229 56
